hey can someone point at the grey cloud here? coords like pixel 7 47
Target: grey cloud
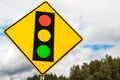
pixel 16 69
pixel 13 62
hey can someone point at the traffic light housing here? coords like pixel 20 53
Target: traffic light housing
pixel 43 49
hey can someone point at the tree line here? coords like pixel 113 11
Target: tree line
pixel 105 69
pixel 48 77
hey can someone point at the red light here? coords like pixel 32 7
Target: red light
pixel 45 20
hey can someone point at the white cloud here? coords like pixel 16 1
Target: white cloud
pixel 14 10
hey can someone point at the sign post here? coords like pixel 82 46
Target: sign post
pixel 42 77
pixel 43 37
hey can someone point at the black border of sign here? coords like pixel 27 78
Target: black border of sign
pixel 24 53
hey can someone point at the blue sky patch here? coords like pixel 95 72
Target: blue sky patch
pixel 97 47
pixel 2 28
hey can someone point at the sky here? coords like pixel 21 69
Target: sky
pixel 97 21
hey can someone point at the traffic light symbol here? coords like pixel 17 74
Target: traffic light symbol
pixel 44 37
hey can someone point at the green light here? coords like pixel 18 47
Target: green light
pixel 43 51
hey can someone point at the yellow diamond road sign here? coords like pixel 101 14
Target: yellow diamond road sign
pixel 22 34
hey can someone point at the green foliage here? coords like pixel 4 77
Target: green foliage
pixel 106 69
pixel 48 77
pixel 74 73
